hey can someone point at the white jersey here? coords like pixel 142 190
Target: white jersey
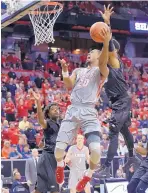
pixel 87 86
pixel 78 158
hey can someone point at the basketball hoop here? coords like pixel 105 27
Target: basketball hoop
pixel 12 6
pixel 43 19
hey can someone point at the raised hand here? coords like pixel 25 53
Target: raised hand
pixel 36 96
pixel 106 34
pixel 64 65
pixel 107 13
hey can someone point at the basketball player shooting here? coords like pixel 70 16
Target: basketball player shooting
pixel 117 91
pixel 84 83
pixel 76 158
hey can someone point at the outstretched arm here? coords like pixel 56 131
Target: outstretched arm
pixel 69 81
pixel 40 113
pixel 103 59
pixel 113 57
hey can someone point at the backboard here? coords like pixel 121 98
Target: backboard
pixel 27 5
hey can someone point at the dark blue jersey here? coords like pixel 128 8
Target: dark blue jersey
pixel 50 135
pixel 116 85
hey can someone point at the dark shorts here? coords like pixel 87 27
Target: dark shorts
pixel 121 116
pixel 142 172
pixel 46 180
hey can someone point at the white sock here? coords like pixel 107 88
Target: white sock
pixel 89 172
pixel 60 164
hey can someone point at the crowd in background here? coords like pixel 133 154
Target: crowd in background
pixel 91 8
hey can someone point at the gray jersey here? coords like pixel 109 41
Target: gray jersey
pixel 87 86
pixel 78 158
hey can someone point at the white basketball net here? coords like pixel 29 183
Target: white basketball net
pixel 43 22
pixel 12 6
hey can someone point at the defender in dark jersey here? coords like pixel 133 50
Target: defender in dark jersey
pixel 49 120
pixel 117 91
pixel 139 181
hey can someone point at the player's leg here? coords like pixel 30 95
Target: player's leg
pixel 128 138
pixel 138 175
pixel 66 135
pixel 132 185
pixel 115 125
pixel 87 188
pixel 73 180
pixel 142 187
pixel 46 168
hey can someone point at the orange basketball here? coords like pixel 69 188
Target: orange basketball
pixel 95 31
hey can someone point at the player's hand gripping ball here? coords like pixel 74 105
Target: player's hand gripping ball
pixel 96 31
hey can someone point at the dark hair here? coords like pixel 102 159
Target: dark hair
pixel 116 44
pixel 47 109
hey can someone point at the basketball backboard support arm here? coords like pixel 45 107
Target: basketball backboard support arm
pixel 26 8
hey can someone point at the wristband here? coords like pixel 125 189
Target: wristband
pixel 65 74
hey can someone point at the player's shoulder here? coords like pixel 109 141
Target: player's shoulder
pixel 72 148
pixel 85 148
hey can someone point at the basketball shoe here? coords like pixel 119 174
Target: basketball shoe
pixel 60 175
pixel 82 183
pixel 104 172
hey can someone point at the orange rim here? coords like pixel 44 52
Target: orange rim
pixel 47 3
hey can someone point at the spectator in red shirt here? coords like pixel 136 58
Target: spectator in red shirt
pixel 9 109
pixel 22 109
pixel 3 61
pixel 145 77
pixel 133 129
pixel 4 136
pixel 13 134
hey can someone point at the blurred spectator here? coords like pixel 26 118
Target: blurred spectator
pixel 27 153
pixel 22 109
pixel 11 87
pixel 20 145
pixel 133 128
pixel 33 119
pixel 122 151
pixel 24 124
pixel 4 90
pixel 11 73
pixel 6 150
pixel 17 184
pixel 38 81
pixel 13 134
pixel 31 170
pixel 105 143
pixel 5 125
pixel 30 133
pixel 14 154
pixel 120 174
pixel 9 109
pixel 139 135
pixel 144 141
